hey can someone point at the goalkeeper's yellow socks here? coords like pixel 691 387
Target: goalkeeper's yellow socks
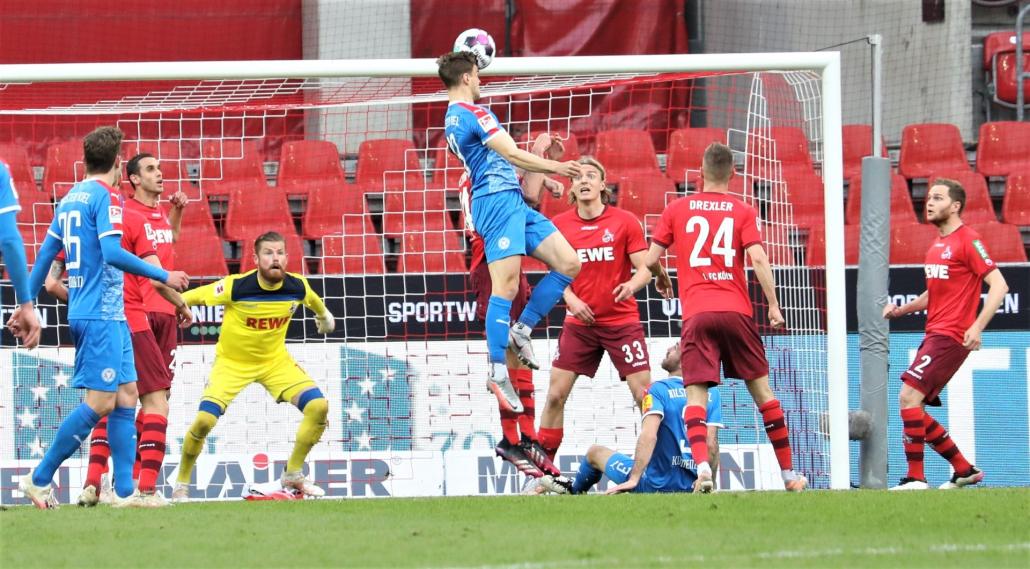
pixel 315 409
pixel 193 443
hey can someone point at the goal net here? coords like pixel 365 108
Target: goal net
pixel 346 160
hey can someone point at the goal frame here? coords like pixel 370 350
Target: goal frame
pixel 825 64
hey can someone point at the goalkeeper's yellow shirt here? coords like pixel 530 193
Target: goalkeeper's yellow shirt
pixel 256 317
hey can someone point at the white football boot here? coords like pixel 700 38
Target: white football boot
pixel 299 482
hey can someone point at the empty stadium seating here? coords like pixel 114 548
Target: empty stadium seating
pixel 931 148
pixel 294 249
pixel 978 208
pixel 199 253
pixel 686 150
pixel 626 153
pixel 902 210
pixel 17 161
pixel 805 192
pixel 196 218
pixel 1004 146
pixel 447 168
pixel 432 251
pixel 857 142
pixel 358 250
pixel 779 151
pixel 255 210
pixel 414 197
pixel 999 66
pixel 910 242
pixel 168 154
pixel 388 162
pixel 643 194
pixel 326 207
pixel 231 160
pixel 397 224
pixel 308 164
pixel 1003 241
pixel 63 168
pixel 815 248
pixel 1016 205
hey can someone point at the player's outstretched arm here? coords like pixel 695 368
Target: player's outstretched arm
pixel 111 249
pixel 996 289
pixel 54 284
pixel 713 450
pixel 23 322
pixel 182 311
pixel 325 322
pixel 653 261
pixel 764 274
pixel 891 310
pixel 642 455
pixel 503 144
pixel 549 146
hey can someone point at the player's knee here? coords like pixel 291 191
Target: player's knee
pixel 556 397
pixel 909 397
pixel 505 288
pixel 594 455
pixel 313 404
pixel 102 407
pixel 206 419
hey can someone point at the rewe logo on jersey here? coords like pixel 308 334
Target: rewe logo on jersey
pixel 936 271
pixel 158 236
pixel 267 323
pixel 594 254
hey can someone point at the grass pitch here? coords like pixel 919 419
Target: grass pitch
pixel 963 528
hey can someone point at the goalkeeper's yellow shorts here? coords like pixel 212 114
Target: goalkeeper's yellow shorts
pixel 281 377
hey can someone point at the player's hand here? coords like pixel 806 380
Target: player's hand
pixel 891 311
pixel 581 311
pixel 24 325
pixel 183 315
pixel 179 199
pixel 623 291
pixel 775 317
pixel 555 148
pixel 556 188
pixel 325 323
pixel 627 486
pixel 664 285
pixel 570 169
pixel 971 339
pixel 178 280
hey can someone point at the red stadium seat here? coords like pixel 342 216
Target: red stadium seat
pixel 902 210
pixel 432 251
pixel 307 164
pixel 779 151
pixel 626 153
pixel 815 249
pixel 294 249
pixel 931 148
pixel 978 208
pixel 167 152
pixel 397 224
pixel 199 254
pixel 1003 241
pixel 389 162
pixel 858 143
pixel 64 167
pixel 643 194
pixel 253 211
pixel 1000 67
pixel 231 160
pixel 413 198
pixel 359 250
pixel 447 168
pixel 1016 206
pixel 910 242
pixel 36 208
pixel 805 192
pixel 17 161
pixel 1003 148
pixel 327 206
pixel 686 150
pixel 196 217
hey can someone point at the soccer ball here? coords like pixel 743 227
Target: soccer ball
pixel 479 43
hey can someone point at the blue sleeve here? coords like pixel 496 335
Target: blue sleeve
pixel 50 248
pixel 484 127
pixel 715 407
pixel 655 401
pixel 13 250
pixel 111 248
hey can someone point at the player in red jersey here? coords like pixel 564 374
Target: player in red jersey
pixel 152 318
pixel 957 265
pixel 519 448
pixel 602 312
pixel 712 230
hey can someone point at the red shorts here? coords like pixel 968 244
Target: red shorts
pixel 580 349
pixel 727 338
pixel 937 360
pixel 166 332
pixel 151 371
pixel 482 286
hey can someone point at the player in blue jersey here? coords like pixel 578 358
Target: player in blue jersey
pixel 509 227
pixel 23 323
pixel 87 225
pixel 662 461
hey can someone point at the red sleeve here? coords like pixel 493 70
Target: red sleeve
pixel 134 237
pixel 977 257
pixel 750 230
pixel 663 234
pixel 634 234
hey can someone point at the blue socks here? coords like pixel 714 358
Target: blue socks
pixel 121 436
pixel 70 435
pixel 498 318
pixel 586 477
pixel 545 296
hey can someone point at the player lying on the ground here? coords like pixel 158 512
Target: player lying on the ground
pixel 662 461
pixel 252 348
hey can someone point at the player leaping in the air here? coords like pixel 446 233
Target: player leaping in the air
pixel 509 227
pixel 251 348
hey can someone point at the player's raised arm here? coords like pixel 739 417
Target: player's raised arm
pixel 892 310
pixel 503 144
pixel 764 274
pixel 212 294
pixel 550 146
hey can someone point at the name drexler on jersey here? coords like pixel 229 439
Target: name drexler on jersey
pixel 705 205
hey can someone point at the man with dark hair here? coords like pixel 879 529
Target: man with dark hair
pixel 251 348
pixel 88 225
pixel 711 231
pixel 957 265
pixel 509 227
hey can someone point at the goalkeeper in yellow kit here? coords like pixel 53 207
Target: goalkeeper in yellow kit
pixel 251 348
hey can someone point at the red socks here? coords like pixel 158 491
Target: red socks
pixel 151 450
pixel 915 434
pixel 940 441
pixel 697 432
pixel 524 385
pixel 139 437
pixel 776 429
pixel 99 452
pixel 550 439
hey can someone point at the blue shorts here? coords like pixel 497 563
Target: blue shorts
pixel 103 354
pixel 619 466
pixel 507 225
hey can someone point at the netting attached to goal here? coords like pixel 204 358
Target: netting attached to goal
pixel 374 222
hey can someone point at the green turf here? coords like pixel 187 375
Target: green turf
pixel 967 528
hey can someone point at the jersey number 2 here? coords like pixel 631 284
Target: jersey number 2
pixel 67 220
pixel 721 243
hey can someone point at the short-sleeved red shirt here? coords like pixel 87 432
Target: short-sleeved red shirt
pixel 158 231
pixel 134 240
pixel 711 231
pixel 955 268
pixel 604 245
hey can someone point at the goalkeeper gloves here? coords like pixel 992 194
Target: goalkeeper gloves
pixel 325 322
